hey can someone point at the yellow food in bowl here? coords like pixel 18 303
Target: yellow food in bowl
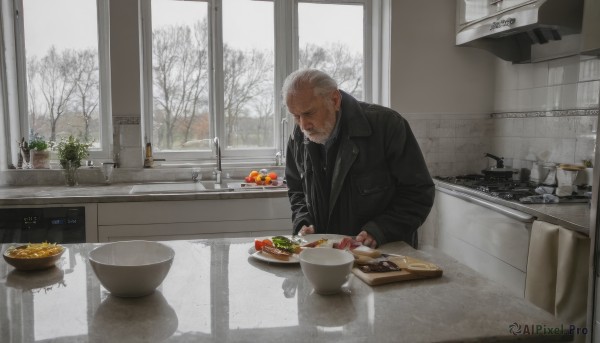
pixel 34 250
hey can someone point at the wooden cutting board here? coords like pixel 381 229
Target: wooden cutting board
pixel 412 268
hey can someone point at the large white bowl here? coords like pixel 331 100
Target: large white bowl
pixel 131 268
pixel 327 269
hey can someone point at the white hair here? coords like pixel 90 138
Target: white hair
pixel 321 82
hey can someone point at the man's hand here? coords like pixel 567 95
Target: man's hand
pixel 306 230
pixel 366 239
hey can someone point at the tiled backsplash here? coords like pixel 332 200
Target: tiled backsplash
pixel 543 111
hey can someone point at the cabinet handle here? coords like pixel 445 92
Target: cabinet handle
pixel 514 214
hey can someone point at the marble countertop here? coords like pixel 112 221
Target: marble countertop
pixel 573 216
pixel 118 192
pixel 216 292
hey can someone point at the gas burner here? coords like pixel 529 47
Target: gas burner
pixel 497 187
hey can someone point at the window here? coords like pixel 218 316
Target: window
pixel 61 72
pixel 210 68
pixel 217 68
pixel 334 46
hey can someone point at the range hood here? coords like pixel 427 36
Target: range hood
pixel 521 31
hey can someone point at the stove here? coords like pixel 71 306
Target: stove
pixel 507 189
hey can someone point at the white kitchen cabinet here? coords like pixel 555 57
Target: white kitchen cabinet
pixel 171 220
pixel 491 242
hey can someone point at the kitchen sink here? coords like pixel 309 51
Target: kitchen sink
pixel 179 187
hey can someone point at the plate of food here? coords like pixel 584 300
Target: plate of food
pixel 33 256
pixel 276 249
pixel 285 249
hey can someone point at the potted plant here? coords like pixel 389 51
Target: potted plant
pixel 39 153
pixel 70 153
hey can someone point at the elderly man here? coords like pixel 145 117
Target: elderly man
pixel 352 168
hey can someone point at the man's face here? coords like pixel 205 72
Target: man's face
pixel 315 115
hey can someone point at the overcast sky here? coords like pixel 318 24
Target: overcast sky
pixel 246 23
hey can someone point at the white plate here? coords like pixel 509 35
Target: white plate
pixel 331 238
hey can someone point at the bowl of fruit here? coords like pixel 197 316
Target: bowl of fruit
pixel 262 177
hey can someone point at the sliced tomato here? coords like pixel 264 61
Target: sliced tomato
pixel 267 242
pixel 258 244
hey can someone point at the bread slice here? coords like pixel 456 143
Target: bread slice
pixel 366 251
pixel 276 253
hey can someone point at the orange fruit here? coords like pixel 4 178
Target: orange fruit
pixel 267 180
pixel 273 175
pixel 253 173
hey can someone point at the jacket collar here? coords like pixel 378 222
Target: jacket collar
pixel 357 124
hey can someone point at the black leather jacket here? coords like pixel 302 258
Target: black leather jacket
pixel 380 182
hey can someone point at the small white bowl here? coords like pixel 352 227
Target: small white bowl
pixel 327 269
pixel 131 268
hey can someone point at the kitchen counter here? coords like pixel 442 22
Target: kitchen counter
pixel 574 216
pixel 120 192
pixel 216 292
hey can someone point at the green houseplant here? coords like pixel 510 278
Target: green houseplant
pixel 70 153
pixel 40 155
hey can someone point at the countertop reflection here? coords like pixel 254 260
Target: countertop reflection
pixel 216 292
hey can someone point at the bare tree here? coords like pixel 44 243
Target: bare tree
pixel 86 79
pixel 56 84
pixel 338 61
pixel 32 92
pixel 244 76
pixel 180 66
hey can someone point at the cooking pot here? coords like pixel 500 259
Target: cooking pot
pixel 499 173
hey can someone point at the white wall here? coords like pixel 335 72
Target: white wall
pixel 445 92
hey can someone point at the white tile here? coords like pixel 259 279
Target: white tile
pixel 524 76
pixel 564 70
pixel 553 98
pixel 589 69
pixel 131 158
pixel 447 145
pixel 539 99
pixel 505 101
pixel 506 75
pixel 563 150
pixel 540 74
pixel 568 96
pixel 524 100
pixel 565 127
pixel 418 127
pixel 587 94
pixel 529 126
pixel 130 135
pixel 584 149
pixel 587 126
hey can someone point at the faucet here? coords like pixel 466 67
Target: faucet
pixel 218 152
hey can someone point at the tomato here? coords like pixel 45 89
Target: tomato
pixel 273 175
pixel 248 179
pixel 258 244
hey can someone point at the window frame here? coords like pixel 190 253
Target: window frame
pixel 18 49
pixel 285 60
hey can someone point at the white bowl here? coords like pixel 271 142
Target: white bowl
pixel 131 268
pixel 327 269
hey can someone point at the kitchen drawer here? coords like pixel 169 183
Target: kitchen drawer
pixel 197 230
pixel 157 212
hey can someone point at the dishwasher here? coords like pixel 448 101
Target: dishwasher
pixel 58 224
pixel 490 238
